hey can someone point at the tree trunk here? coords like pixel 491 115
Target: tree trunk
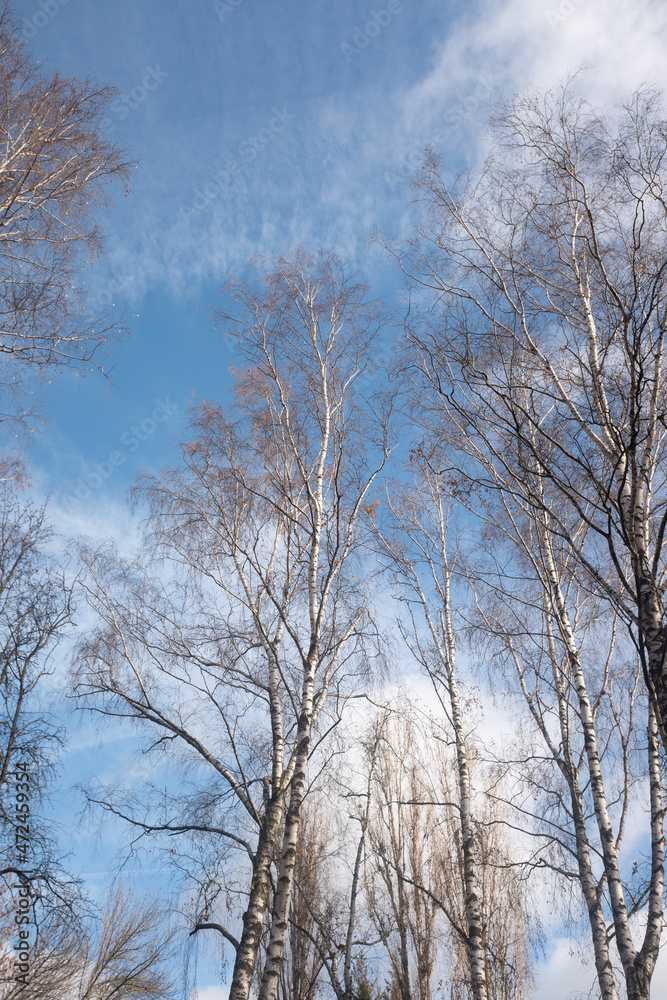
pixel 603 966
pixel 253 918
pixel 639 987
pixel 637 967
pixel 473 900
pixel 283 896
pixel 654 636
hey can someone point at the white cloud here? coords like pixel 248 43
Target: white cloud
pixel 518 44
pixel 564 975
pixel 323 179
pixel 211 993
pixel 100 519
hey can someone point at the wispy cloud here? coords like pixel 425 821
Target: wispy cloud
pixel 335 171
pixel 525 44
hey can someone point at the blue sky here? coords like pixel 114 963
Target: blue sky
pixel 258 125
pixel 254 137
pixel 265 125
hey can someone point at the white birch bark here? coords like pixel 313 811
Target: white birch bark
pixel 473 900
pixel 253 918
pixel 285 881
pixel 422 522
pixel 562 755
pixel 536 539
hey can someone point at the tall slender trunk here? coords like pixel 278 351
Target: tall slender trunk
pixel 475 944
pixel 404 978
pixel 473 896
pixel 253 918
pixel 639 986
pixel 349 937
pixel 283 895
pixel 636 972
pixel 603 966
pixel 563 757
pixel 634 511
pixel 654 635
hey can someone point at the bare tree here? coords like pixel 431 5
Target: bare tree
pixel 402 869
pixel 414 541
pixel 418 552
pixel 124 955
pixel 578 680
pixel 573 672
pixel 549 269
pixel 510 933
pixel 418 857
pixel 35 609
pixel 542 365
pixel 303 963
pixel 55 164
pixel 245 625
pixel 332 921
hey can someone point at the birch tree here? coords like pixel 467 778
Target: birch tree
pixel 401 861
pixel 55 169
pixel 331 920
pixel 245 623
pixel 575 673
pixel 418 547
pixel 310 908
pixel 580 687
pixel 547 269
pixel 414 537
